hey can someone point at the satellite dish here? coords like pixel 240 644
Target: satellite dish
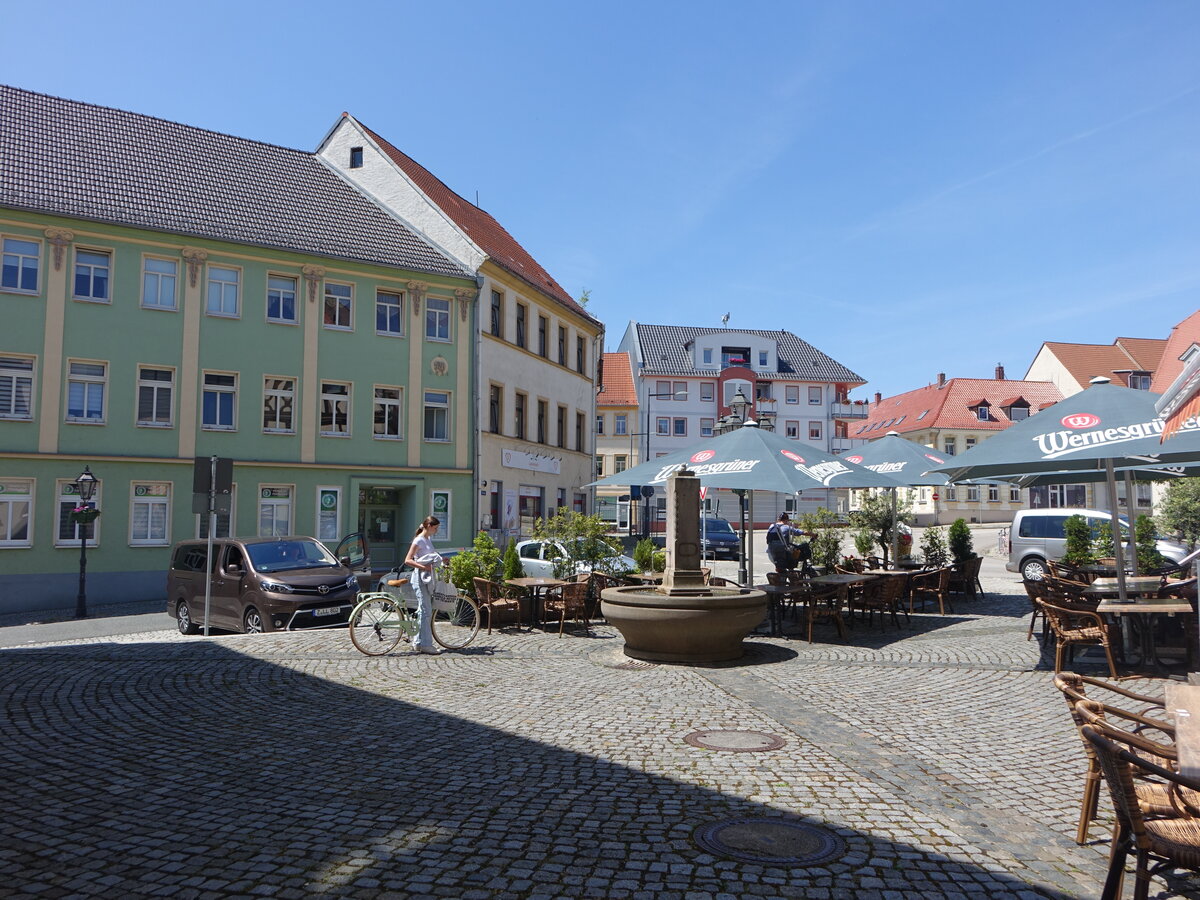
pixel 725 319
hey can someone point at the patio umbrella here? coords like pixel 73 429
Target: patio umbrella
pixel 1100 429
pixel 751 459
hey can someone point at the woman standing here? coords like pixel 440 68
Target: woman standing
pixel 424 559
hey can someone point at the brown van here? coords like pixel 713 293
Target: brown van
pixel 265 584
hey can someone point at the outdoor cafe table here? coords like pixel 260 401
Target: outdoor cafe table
pixel 1183 704
pixel 1134 584
pixel 1143 612
pixel 776 594
pixel 536 588
pixel 842 581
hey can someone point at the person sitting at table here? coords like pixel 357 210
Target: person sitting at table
pixel 779 544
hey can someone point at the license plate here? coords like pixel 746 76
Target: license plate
pixel 327 611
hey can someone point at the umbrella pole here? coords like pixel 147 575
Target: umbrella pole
pixel 750 541
pixel 742 516
pixel 895 531
pixel 1129 514
pixel 1116 529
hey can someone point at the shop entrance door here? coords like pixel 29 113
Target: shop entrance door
pixel 379 515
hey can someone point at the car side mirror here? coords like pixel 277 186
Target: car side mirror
pixel 345 561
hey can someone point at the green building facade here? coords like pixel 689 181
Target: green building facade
pixel 180 294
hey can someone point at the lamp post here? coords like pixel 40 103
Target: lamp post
pixel 85 488
pixel 737 418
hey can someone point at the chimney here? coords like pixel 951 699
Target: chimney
pixel 999 372
pixel 878 398
pixel 941 379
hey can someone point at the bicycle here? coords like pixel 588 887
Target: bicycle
pixel 381 619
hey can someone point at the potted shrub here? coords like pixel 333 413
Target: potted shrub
pixel 934 549
pixel 643 555
pixel 1080 549
pixel 482 561
pixel 1145 535
pixel 962 547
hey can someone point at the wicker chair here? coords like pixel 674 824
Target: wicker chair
pixel 571 599
pixel 1037 590
pixel 1074 626
pixel 822 605
pixel 881 595
pixel 1160 844
pixel 598 582
pixel 493 598
pixel 964 578
pixel 932 585
pixel 850 566
pixel 1067 571
pixel 1150 794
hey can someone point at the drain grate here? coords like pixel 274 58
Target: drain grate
pixel 635 664
pixel 776 842
pixel 734 741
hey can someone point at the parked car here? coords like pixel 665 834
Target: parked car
pixel 1038 535
pixel 264 584
pixel 719 539
pixel 537 559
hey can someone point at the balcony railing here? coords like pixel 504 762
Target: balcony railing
pixel 851 410
pixel 841 444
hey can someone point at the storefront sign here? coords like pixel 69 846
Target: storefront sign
pixel 533 462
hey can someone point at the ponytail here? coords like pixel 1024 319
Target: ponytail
pixel 428 522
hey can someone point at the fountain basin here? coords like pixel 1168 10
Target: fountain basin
pixel 688 626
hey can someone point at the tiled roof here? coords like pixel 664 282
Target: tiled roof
pixel 949 406
pixel 500 246
pixel 1182 337
pixel 107 165
pixel 617 388
pixel 1087 361
pixel 664 352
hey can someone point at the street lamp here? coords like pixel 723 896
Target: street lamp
pixel 85 488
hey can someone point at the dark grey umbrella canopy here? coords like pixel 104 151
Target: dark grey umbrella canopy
pixel 1081 433
pixel 749 458
pixel 906 461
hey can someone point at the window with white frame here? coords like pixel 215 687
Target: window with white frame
pixel 389 313
pixel 706 427
pixel 600 423
pixel 949 446
pixel 950 492
pixel 274 510
pixel 619 463
pixel 706 355
pixel 620 424
pixel 159 277
pixel 70 533
pixel 983 412
pixel 970 442
pixel 19 268
pixel 149 514
pixel 791 393
pixel 16 387
pixel 599 466
pixel 155 401
pixel 993 493
pixel 662 425
pixel 708 391
pixel 93 269
pixel 224 519
pixel 437 319
pixel 1139 382
pixel 279 403
pixel 16 508
pixel 224 291
pixel 387 409
pixel 762 359
pixel 815 397
pixel 814 431
pixel 339 305
pixel 679 427
pixel 86 384
pixel 1014 495
pixel 791 429
pixel 335 409
pixel 972 493
pixel 281 299
pixel 437 416
pixel 218 407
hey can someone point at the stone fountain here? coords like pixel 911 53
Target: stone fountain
pixel 684 620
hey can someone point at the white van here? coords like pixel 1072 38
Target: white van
pixel 1037 535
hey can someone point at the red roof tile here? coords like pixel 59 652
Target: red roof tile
pixel 484 230
pixel 617 388
pixel 1182 337
pixel 950 406
pixel 1088 361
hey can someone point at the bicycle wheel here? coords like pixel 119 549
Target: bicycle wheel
pixel 377 624
pixel 455 623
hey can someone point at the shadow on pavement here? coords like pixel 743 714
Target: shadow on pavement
pixel 193 769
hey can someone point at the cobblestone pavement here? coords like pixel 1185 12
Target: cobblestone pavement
pixel 530 766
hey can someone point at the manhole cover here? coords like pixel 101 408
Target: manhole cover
pixel 734 741
pixel 770 841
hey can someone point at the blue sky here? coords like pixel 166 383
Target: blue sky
pixel 913 188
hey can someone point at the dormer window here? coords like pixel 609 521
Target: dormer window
pixel 983 412
pixel 1139 381
pixel 356 157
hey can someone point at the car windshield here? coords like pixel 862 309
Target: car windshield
pixel 713 526
pixel 276 556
